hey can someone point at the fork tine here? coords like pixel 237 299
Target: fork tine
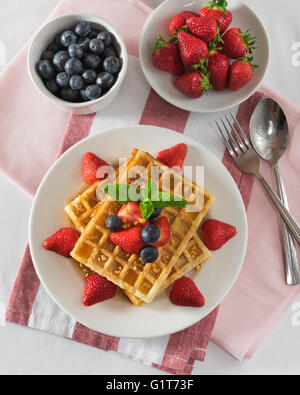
pixel 231 125
pixel 225 140
pixel 247 142
pixel 232 141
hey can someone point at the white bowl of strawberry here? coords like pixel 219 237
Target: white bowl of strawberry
pixel 204 57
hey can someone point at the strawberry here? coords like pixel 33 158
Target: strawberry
pixel 237 44
pixel 216 234
pixel 130 214
pixel 173 157
pixel 90 166
pixel 129 240
pixel 241 72
pixel 98 289
pixel 184 292
pixel 62 242
pixel 193 84
pixel 179 21
pixel 166 57
pixel 165 233
pixel 203 27
pixel 218 9
pixel 218 67
pixel 191 48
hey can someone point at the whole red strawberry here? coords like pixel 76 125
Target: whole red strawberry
pixel 193 84
pixel 241 72
pixel 237 44
pixel 98 289
pixel 191 48
pixel 173 157
pixel 166 57
pixel 203 27
pixel 218 9
pixel 184 292
pixel 216 234
pixel 90 167
pixel 129 240
pixel 179 21
pixel 62 242
pixel 218 67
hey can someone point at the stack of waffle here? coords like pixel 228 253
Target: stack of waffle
pixel 185 251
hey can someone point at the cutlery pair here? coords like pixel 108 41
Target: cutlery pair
pixel 269 135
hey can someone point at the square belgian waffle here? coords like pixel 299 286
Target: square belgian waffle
pixel 95 250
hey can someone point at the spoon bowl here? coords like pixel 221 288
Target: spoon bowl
pixel 269 130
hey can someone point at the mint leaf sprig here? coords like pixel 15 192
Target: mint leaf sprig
pixel 152 198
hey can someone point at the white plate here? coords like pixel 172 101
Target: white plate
pixel 118 317
pixel 162 83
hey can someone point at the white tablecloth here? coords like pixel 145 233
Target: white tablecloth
pixel 25 351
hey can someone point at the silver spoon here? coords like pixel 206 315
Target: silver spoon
pixel 270 137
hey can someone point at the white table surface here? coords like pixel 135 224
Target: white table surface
pixel 26 351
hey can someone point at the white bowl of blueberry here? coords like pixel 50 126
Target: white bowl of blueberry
pixel 78 62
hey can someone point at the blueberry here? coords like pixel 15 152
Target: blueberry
pixel 149 254
pixel 113 223
pixel 73 66
pixel 111 64
pixel 109 51
pixel 150 234
pixel 53 47
pixel 75 51
pixel 83 95
pixel 45 69
pixel 60 59
pixel 89 76
pixel 63 79
pixel 47 55
pixel 76 82
pixel 105 37
pixel 105 80
pixel 69 94
pixel 156 213
pixel 84 43
pixel 93 92
pixel 52 86
pixel 57 41
pixel 93 34
pixel 83 29
pixel 91 61
pixel 96 46
pixel 68 37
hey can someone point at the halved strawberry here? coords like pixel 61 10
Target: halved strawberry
pixel 184 292
pixel 62 242
pixel 129 240
pixel 90 166
pixel 97 289
pixel 165 232
pixel 174 156
pixel 216 234
pixel 130 214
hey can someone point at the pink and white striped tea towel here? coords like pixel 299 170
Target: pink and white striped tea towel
pixel 259 298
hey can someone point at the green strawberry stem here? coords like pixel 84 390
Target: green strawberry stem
pixel 247 59
pixel 217 4
pixel 248 40
pixel 160 43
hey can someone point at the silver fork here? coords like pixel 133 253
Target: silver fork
pixel 248 162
